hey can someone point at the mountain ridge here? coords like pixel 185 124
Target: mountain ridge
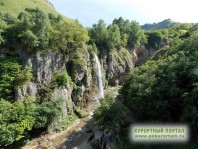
pixel 167 23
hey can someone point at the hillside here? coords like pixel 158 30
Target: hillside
pixel 54 71
pixel 14 7
pixel 160 25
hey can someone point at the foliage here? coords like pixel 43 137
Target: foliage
pixel 136 35
pixel 131 33
pixel 77 62
pixel 166 89
pixel 45 93
pixel 7 18
pixel 68 36
pixel 99 35
pixel 120 34
pixel 65 122
pixel 61 79
pixel 12 75
pixel 154 39
pixel 2 28
pixel 34 27
pixel 14 7
pixel 45 113
pixel 80 113
pixel 122 55
pixel 19 118
pixel 109 114
pixel 114 37
pixel 23 77
pixel 35 31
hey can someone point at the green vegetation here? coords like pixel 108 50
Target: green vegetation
pixel 35 31
pixel 81 113
pixel 68 36
pixel 19 118
pixel 154 39
pixel 14 7
pixel 122 55
pixel 166 90
pixel 120 34
pixel 61 79
pixel 12 75
pixel 109 114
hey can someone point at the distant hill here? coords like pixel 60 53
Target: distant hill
pixel 160 25
pixel 14 7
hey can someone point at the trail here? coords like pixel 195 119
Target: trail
pixel 76 135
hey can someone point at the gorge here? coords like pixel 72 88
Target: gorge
pixel 52 68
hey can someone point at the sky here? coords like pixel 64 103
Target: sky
pixel 88 12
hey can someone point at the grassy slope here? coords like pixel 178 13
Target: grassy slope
pixel 14 7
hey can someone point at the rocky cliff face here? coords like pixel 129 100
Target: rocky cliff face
pixel 142 54
pixel 116 66
pixel 82 70
pixel 43 66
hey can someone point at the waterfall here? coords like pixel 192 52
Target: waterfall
pixel 99 77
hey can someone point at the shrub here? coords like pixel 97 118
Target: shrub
pixel 109 114
pixel 19 118
pixel 80 113
pixel 61 79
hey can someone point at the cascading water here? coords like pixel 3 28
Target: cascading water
pixel 99 77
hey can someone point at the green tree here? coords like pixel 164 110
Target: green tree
pixel 99 36
pixel 3 26
pixel 131 33
pixel 114 37
pixel 136 35
pixel 12 76
pixel 31 32
pixel 168 85
pixel 61 79
pixel 35 29
pixel 109 114
pixel 154 39
pixel 68 36
pixel 9 69
pixel 19 118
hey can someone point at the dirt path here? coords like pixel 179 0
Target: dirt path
pixel 74 137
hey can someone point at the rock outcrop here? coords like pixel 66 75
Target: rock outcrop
pixel 142 54
pixel 81 67
pixel 116 66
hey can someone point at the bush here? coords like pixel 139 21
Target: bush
pixel 168 85
pixel 61 79
pixel 45 113
pixel 80 113
pixel 19 118
pixel 23 77
pixel 12 75
pixel 109 114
